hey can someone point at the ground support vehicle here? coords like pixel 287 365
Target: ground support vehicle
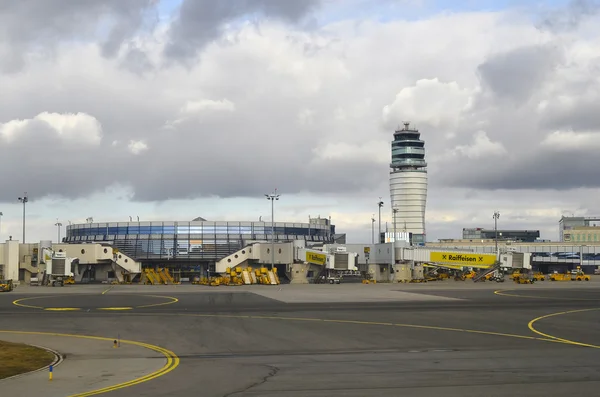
pixel 524 279
pixel 6 285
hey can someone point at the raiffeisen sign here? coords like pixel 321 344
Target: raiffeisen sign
pixel 463 259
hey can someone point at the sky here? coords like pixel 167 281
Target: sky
pixel 175 109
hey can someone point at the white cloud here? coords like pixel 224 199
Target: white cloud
pixel 480 147
pixel 572 141
pixel 375 151
pixel 210 105
pixel 72 128
pixel 137 147
pixel 430 102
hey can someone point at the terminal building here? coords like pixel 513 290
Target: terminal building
pixel 527 236
pixel 579 229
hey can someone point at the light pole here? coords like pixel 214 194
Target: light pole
pixel 373 229
pixel 394 242
pixel 24 200
pixel 394 211
pixel 58 225
pixel 379 204
pixel 1 215
pixel 496 216
pixel 272 197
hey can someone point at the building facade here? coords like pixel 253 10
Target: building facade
pixel 408 183
pixel 527 236
pixel 570 228
pixel 195 241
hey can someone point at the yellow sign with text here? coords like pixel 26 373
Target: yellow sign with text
pixel 319 259
pixel 463 259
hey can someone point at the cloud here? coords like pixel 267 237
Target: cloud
pixel 574 142
pixel 508 112
pixel 208 105
pixel 570 17
pixel 481 148
pixel 517 74
pixel 430 102
pixel 77 128
pixel 31 27
pixel 137 147
pixel 201 21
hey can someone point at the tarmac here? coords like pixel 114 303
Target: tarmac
pixel 456 339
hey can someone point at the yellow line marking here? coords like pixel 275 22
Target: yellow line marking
pixel 431 327
pixel 114 308
pixel 62 309
pixel 17 302
pixel 108 289
pixel 501 292
pixel 171 300
pixel 567 341
pixel 172 360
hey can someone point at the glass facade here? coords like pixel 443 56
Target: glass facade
pixel 408 150
pixel 193 241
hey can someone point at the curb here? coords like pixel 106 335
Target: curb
pixel 58 359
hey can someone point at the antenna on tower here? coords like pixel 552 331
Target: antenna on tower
pixel 406 124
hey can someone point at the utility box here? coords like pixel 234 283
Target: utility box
pixel 402 273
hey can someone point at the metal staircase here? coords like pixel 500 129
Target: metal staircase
pixel 318 279
pixel 479 276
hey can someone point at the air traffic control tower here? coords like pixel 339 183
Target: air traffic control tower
pixel 408 183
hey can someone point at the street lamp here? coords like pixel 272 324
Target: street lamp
pixel 394 210
pixel 373 229
pixel 496 216
pixel 380 204
pixel 24 200
pixel 272 197
pixel 1 215
pixel 58 225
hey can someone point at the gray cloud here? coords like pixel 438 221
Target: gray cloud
pixel 201 21
pixel 539 170
pixel 570 17
pixel 28 25
pixel 517 74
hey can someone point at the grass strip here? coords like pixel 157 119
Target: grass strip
pixel 17 358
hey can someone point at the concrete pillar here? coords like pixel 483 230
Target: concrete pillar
pixel 11 260
pixel 299 273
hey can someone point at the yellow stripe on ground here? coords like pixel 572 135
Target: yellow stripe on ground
pixel 502 292
pixel 17 302
pixel 570 342
pixel 62 309
pixel 106 290
pixel 172 300
pixel 431 327
pixel 172 360
pixel 115 308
